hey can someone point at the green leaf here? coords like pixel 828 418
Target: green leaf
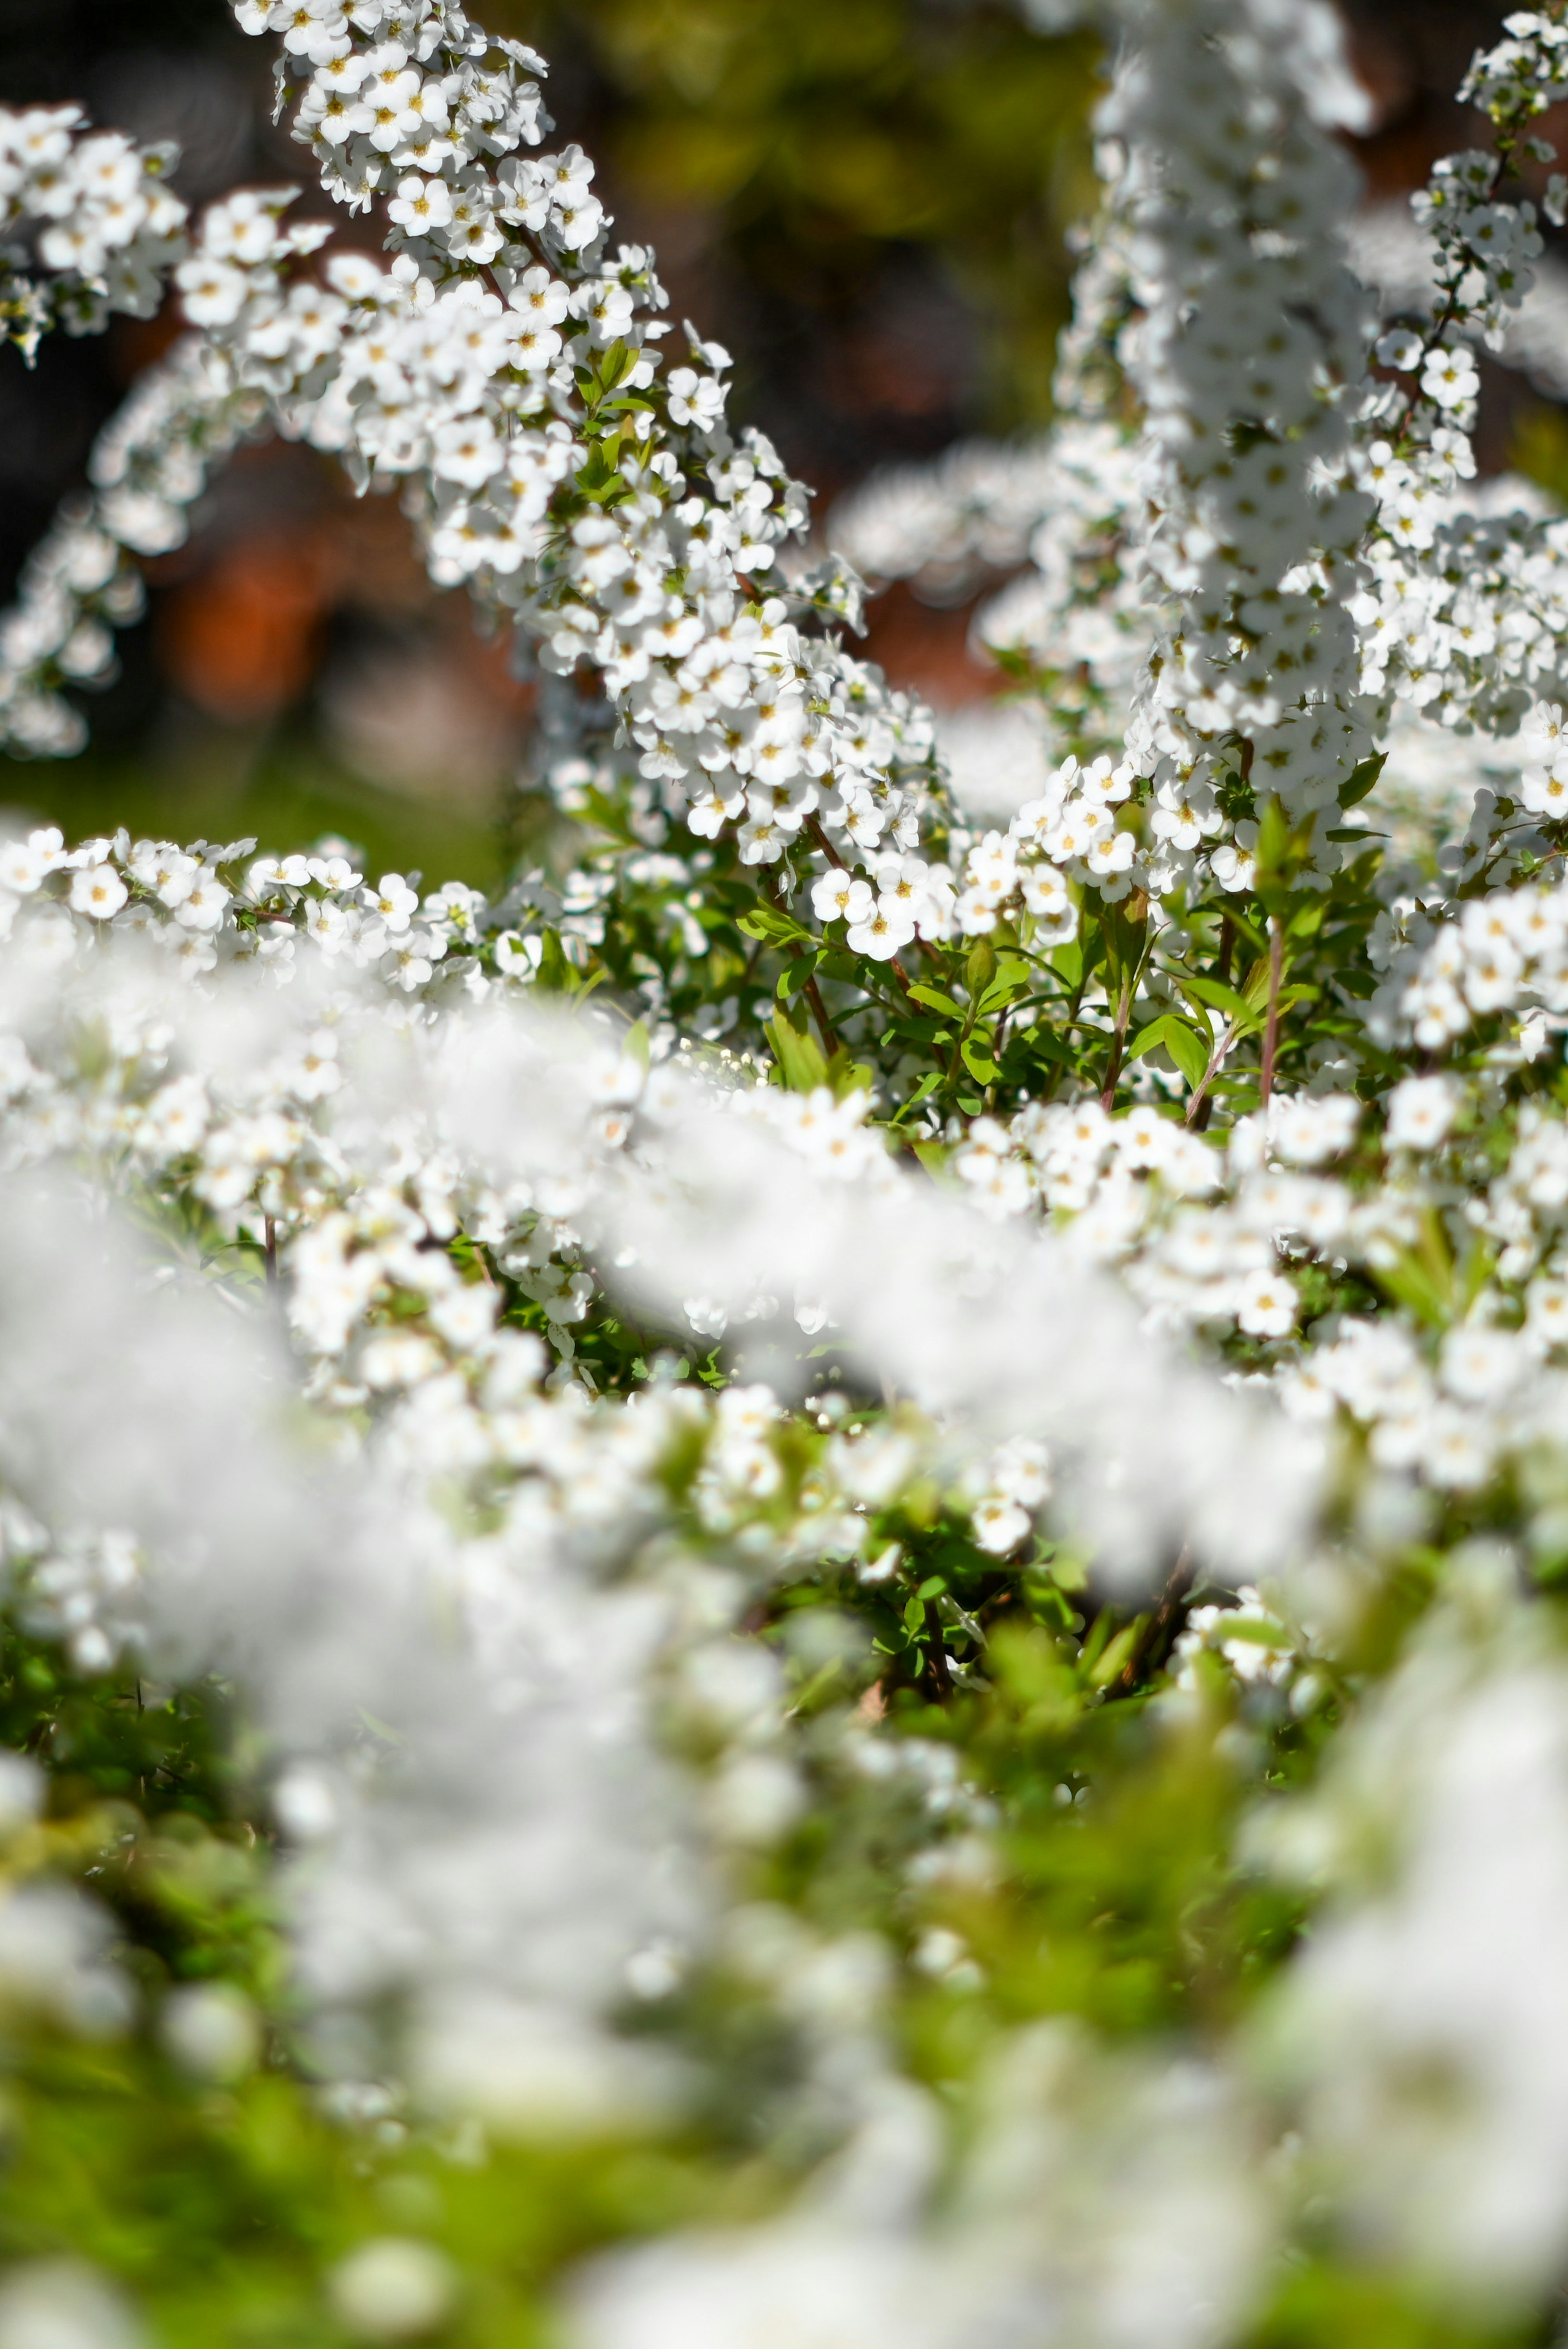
pixel 1114 1658
pixel 1361 780
pixel 847 1075
pixel 1043 1043
pixel 1410 1283
pixel 927 1085
pixel 801 1061
pixel 1217 997
pixel 797 976
pixel 774 927
pixel 1256 986
pixel 1189 1051
pixel 1421 1277
pixel 556 975
pixel 935 1000
pixel 978 1062
pixel 1013 978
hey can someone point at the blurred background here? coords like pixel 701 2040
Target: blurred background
pixel 867 200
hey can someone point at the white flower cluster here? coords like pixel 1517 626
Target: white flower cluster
pixel 1140 1193
pixel 393 88
pixel 1070 832
pixel 86 225
pixel 1251 333
pixel 621 525
pixel 530 1773
pixel 79 584
pixel 1456 1768
pixel 1506 952
pixel 946 524
pixel 1079 611
pixel 1075 608
pixel 1464 611
pixel 1220 1240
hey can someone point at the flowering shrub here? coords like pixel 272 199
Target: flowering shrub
pixel 807 1586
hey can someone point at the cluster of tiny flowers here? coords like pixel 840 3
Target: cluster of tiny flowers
pixel 622 526
pixel 1249 335
pixel 357 1209
pixel 894 898
pixel 1056 513
pixel 86 225
pixel 949 524
pixel 81 582
pixel 1260 1649
pixel 1201 1235
pixel 1492 1394
pixel 1505 952
pixel 1070 832
pixel 543 1279
pixel 1457 600
pixel 252 1151
pixel 1464 609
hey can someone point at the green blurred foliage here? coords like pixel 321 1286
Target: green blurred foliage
pixel 822 133
pixel 283 787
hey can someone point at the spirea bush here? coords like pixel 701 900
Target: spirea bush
pixel 807 1589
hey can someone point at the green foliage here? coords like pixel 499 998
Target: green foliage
pixel 824 134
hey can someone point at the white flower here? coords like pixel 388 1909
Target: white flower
pixel 465 1316
pixel 393 902
pixel 883 930
pixel 1420 1110
pixel 204 903
pixel 1265 1306
pixel 1480 1365
pixel 840 896
pixel 213 293
pixel 420 205
pixel 98 890
pixel 999 1524
pixel 393 2288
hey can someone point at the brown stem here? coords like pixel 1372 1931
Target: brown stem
pixel 1163 1630
pixel 998 1045
pixel 1198 1107
pixel 1271 1032
pixel 941 1677
pixel 820 1014
pixel 812 992
pixel 270 1249
pixel 825 844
